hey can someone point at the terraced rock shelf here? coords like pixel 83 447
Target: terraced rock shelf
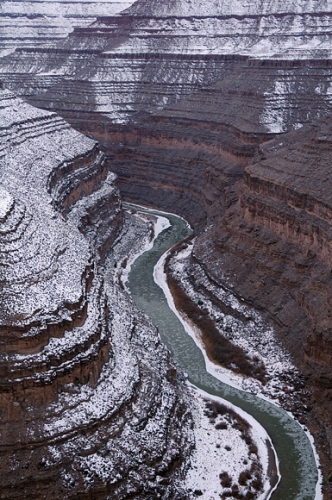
pixel 83 375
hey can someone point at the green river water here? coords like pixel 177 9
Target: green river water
pixel 297 464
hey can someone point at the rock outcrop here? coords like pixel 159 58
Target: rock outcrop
pixel 84 380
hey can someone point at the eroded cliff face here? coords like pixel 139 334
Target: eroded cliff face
pixel 267 59
pixel 84 380
pixel 45 22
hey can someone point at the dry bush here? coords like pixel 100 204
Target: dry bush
pixel 244 477
pixel 221 425
pixel 257 482
pixel 225 480
pixel 253 449
pixel 213 409
pixel 235 490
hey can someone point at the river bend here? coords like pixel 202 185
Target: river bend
pixel 297 463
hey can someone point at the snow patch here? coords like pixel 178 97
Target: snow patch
pixel 6 202
pixel 220 448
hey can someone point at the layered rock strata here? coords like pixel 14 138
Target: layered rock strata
pixel 191 103
pixel 84 382
pixel 267 63
pixel 272 250
pixel 45 22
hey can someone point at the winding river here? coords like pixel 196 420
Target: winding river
pixel 297 463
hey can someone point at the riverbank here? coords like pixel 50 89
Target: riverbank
pixel 297 463
pixel 232 452
pixel 207 459
pixel 282 387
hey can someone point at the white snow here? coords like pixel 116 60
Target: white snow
pixel 223 450
pixel 232 7
pixel 46 21
pixel 6 202
pixel 33 144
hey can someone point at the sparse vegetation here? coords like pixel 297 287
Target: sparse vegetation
pixel 250 479
pixel 218 348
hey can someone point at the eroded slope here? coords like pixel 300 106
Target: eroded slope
pixel 84 382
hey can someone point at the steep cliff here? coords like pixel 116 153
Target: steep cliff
pixel 84 380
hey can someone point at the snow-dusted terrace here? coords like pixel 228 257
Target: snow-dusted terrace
pixel 32 144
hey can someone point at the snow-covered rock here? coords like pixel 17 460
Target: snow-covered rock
pixel 44 22
pixel 90 401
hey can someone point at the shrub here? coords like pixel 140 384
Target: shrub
pixel 213 409
pixel 221 425
pixel 253 449
pixel 235 489
pixel 257 483
pixel 225 480
pixel 244 477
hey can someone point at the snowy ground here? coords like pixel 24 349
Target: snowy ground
pixel 229 457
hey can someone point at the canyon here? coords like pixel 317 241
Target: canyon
pixel 218 111
pixel 85 380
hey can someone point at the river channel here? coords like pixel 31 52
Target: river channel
pixel 297 463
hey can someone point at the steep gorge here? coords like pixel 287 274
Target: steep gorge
pixel 221 113
pixel 84 379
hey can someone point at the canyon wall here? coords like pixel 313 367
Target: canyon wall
pixel 45 22
pixel 84 379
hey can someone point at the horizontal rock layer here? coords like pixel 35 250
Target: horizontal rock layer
pixel 191 103
pixel 90 404
pixel 263 66
pixel 44 22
